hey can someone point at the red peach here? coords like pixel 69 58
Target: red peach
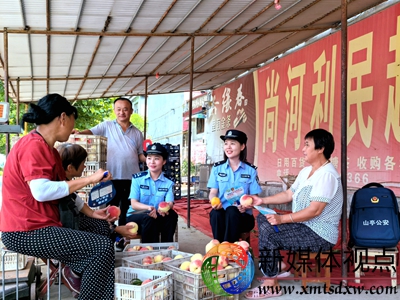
pixel 163 206
pixel 223 261
pixel 167 258
pixel 195 266
pixel 246 200
pixel 114 211
pixel 146 281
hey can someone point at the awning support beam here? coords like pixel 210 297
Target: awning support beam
pixel 190 128
pixel 343 141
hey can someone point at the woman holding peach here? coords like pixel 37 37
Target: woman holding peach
pixel 34 184
pixel 152 199
pixel 229 180
pixel 313 225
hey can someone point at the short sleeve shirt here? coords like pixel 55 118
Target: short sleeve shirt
pixel 123 148
pixel 149 191
pixel 232 185
pixel 323 186
pixel 30 158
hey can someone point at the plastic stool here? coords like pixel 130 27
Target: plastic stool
pixel 377 258
pixel 3 274
pixel 53 270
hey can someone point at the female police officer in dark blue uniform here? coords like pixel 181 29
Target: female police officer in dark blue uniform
pixel 229 180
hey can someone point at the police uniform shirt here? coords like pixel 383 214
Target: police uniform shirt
pixel 149 191
pixel 233 184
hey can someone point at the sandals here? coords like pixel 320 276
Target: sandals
pixel 280 275
pixel 261 292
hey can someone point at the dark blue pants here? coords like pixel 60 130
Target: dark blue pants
pixel 227 225
pixel 150 228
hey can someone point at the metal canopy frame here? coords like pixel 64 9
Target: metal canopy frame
pixel 86 49
pixel 90 49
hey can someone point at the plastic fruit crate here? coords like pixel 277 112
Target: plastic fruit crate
pixel 190 286
pixel 128 253
pixel 160 288
pixel 156 247
pixel 95 145
pixel 92 167
pixel 11 260
pixel 137 260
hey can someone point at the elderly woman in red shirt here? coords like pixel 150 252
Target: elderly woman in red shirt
pixel 33 182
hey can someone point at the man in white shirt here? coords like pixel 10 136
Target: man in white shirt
pixel 124 152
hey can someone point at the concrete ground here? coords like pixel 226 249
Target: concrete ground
pixel 192 241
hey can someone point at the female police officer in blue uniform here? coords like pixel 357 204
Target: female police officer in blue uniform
pixel 148 189
pixel 229 180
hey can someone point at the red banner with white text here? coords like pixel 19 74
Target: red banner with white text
pixel 302 91
pixel 233 107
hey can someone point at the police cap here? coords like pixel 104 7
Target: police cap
pixel 158 149
pixel 234 134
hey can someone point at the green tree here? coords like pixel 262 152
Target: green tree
pixel 12 119
pixel 92 112
pixel 138 121
pixel 185 169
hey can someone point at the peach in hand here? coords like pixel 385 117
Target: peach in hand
pixel 163 207
pixel 133 227
pixel 246 200
pixel 114 211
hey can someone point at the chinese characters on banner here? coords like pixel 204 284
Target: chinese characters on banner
pixel 302 91
pixel 232 107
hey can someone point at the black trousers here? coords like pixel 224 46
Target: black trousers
pixel 227 225
pixel 150 228
pixel 121 199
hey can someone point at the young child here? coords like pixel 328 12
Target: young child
pixel 73 159
pixel 148 190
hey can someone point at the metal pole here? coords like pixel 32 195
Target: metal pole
pixel 343 167
pixel 18 103
pixel 26 124
pixel 145 107
pixel 5 36
pixel 190 128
